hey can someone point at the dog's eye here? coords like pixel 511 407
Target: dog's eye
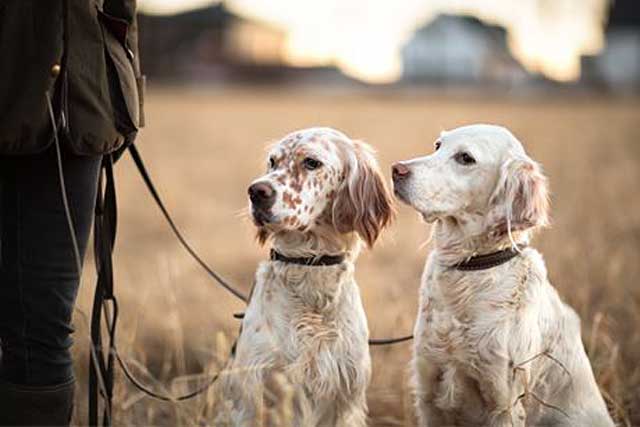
pixel 311 164
pixel 272 163
pixel 437 145
pixel 464 158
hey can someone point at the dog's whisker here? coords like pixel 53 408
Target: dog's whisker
pixel 243 212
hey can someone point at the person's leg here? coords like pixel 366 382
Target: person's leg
pixel 38 275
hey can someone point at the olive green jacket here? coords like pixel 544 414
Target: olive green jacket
pixel 84 53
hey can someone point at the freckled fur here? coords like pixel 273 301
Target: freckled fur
pixel 305 331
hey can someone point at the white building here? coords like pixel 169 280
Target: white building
pixel 459 49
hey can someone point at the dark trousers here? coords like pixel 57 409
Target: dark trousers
pixel 38 274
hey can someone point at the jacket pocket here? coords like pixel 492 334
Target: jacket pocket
pixel 123 85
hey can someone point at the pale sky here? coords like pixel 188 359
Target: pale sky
pixel 364 37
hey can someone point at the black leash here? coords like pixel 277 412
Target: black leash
pixel 389 341
pixel 103 357
pixel 137 159
pixel 163 397
pixel 101 364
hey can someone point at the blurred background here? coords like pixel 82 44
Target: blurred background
pixel 227 78
pixel 497 43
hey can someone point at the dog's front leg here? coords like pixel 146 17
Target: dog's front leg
pixel 502 392
pixel 426 383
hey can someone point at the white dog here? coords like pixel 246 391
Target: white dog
pixel 302 358
pixel 494 343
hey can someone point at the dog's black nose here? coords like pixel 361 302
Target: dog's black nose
pixel 262 194
pixel 400 171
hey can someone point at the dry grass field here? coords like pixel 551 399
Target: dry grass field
pixel 203 146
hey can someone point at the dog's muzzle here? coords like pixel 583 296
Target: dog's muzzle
pixel 400 174
pixel 262 196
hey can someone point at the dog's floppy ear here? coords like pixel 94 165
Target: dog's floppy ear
pixel 521 197
pixel 363 204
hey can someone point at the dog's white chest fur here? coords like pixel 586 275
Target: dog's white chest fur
pixel 460 313
pixel 315 320
pixel 478 353
pixel 308 325
pixel 461 325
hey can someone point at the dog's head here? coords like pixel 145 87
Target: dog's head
pixel 478 171
pixel 319 178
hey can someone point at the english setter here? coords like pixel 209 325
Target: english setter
pixel 302 357
pixel 494 343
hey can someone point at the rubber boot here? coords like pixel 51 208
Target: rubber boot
pixel 36 406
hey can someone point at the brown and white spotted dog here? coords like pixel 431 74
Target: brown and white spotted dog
pixel 302 357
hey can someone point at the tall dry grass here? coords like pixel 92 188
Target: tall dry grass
pixel 203 146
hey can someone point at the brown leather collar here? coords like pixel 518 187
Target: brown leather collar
pixel 323 260
pixel 487 261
